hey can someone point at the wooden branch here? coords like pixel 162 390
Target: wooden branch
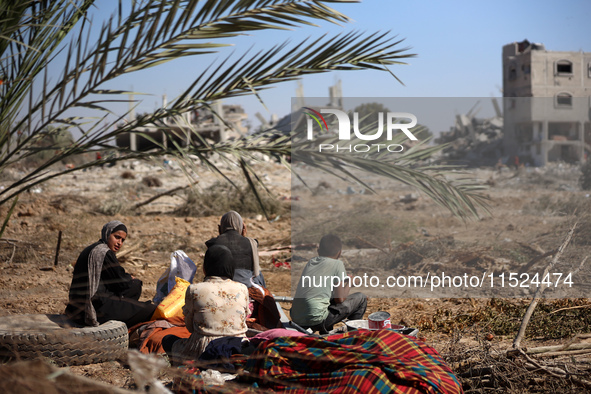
pixel 166 193
pixel 372 244
pixel 536 259
pixel 540 290
pixel 572 307
pixel 534 248
pixel 13 252
pixel 545 349
pixel 556 372
pixel 70 379
pixel 127 251
pixel 9 240
pixel 57 248
pixel 477 372
pixel 566 353
pixel 278 248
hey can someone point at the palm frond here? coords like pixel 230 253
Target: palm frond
pixel 150 33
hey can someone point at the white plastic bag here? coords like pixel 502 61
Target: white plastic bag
pixel 212 377
pixel 180 265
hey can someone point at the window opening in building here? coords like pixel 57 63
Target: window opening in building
pixel 564 100
pixel 564 67
pixel 563 131
pixel 512 72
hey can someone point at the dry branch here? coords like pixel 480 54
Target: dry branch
pixel 556 372
pixel 166 193
pixel 545 349
pixel 277 248
pixel 526 267
pixel 127 251
pixel 13 252
pixel 9 240
pixel 566 353
pixel 372 245
pixel 561 350
pixel 57 248
pixel 540 290
pixel 569 308
pixel 534 247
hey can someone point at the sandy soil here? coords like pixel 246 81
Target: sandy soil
pixel 531 213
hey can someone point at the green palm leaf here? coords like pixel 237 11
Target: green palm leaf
pixel 150 33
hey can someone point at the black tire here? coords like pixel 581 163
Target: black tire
pixel 59 339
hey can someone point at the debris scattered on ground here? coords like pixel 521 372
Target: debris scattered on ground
pixel 474 141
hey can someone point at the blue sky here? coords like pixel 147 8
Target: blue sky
pixel 458 45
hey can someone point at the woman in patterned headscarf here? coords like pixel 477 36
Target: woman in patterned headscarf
pixel 244 250
pixel 101 290
pixel 214 308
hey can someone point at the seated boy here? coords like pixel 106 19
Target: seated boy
pixel 322 300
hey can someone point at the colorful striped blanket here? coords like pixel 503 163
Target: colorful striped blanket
pixel 380 361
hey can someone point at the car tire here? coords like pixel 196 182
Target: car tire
pixel 57 338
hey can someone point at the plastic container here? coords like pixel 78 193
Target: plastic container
pixel 172 304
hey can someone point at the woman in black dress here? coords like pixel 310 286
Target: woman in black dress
pixel 244 250
pixel 101 290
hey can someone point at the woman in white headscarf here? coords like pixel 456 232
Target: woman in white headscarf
pixel 101 290
pixel 244 249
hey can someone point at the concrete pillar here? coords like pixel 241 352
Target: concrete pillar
pixel 581 130
pixel 545 143
pixel 217 107
pixel 132 136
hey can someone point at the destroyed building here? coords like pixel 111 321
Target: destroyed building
pixel 474 141
pixel 188 129
pixel 547 102
pixel 296 120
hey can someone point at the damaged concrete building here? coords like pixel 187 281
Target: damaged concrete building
pixel 547 104
pixel 188 128
pixel 474 141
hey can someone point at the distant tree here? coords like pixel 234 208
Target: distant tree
pixel 585 178
pixel 50 142
pixel 368 114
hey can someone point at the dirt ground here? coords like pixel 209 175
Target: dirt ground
pixel 532 211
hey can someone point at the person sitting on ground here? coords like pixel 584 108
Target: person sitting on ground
pixel 316 304
pixel 101 290
pixel 214 308
pixel 232 232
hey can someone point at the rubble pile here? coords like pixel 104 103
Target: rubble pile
pixel 473 141
pixel 556 176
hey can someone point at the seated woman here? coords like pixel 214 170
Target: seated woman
pixel 214 308
pixel 232 232
pixel 101 290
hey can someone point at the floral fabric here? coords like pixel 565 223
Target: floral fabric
pixel 215 308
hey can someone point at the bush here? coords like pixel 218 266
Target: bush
pixel 223 197
pixel 585 178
